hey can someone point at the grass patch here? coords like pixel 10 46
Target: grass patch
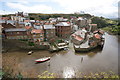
pixel 31 43
pixel 115 29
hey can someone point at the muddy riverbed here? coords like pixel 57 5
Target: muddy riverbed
pixel 64 63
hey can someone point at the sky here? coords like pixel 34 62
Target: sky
pixel 105 8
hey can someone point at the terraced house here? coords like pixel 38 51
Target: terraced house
pixel 49 30
pixel 63 30
pixel 16 33
pixel 37 36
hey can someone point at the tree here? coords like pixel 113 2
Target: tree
pixel 100 22
pixel 32 18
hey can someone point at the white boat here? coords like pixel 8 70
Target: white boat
pixel 30 52
pixel 43 59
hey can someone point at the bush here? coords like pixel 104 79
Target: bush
pixel 59 41
pixel 23 39
pixel 31 43
pixel 113 29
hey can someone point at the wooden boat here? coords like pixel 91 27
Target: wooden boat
pixel 43 59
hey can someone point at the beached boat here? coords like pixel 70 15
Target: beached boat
pixel 30 52
pixel 43 59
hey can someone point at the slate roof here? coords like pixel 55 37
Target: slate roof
pixel 49 27
pixel 62 24
pixel 38 26
pixel 15 29
pixel 37 31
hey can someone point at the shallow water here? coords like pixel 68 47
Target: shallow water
pixel 68 63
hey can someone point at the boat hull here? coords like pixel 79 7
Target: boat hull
pixel 40 61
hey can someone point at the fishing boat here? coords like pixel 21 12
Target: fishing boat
pixel 43 59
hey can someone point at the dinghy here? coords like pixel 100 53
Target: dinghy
pixel 43 59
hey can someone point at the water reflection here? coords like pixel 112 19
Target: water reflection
pixel 91 53
pixel 97 60
pixel 68 72
pixel 68 63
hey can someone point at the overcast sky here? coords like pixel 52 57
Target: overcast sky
pixel 105 8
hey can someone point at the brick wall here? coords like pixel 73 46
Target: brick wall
pixel 63 31
pixel 17 35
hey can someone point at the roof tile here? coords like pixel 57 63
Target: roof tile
pixel 37 31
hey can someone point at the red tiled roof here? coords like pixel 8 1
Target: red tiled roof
pixel 27 27
pixel 78 38
pixel 4 18
pixel 27 21
pixel 68 22
pixel 37 31
pixel 80 17
pixel 73 35
pixel 93 24
pixel 97 36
